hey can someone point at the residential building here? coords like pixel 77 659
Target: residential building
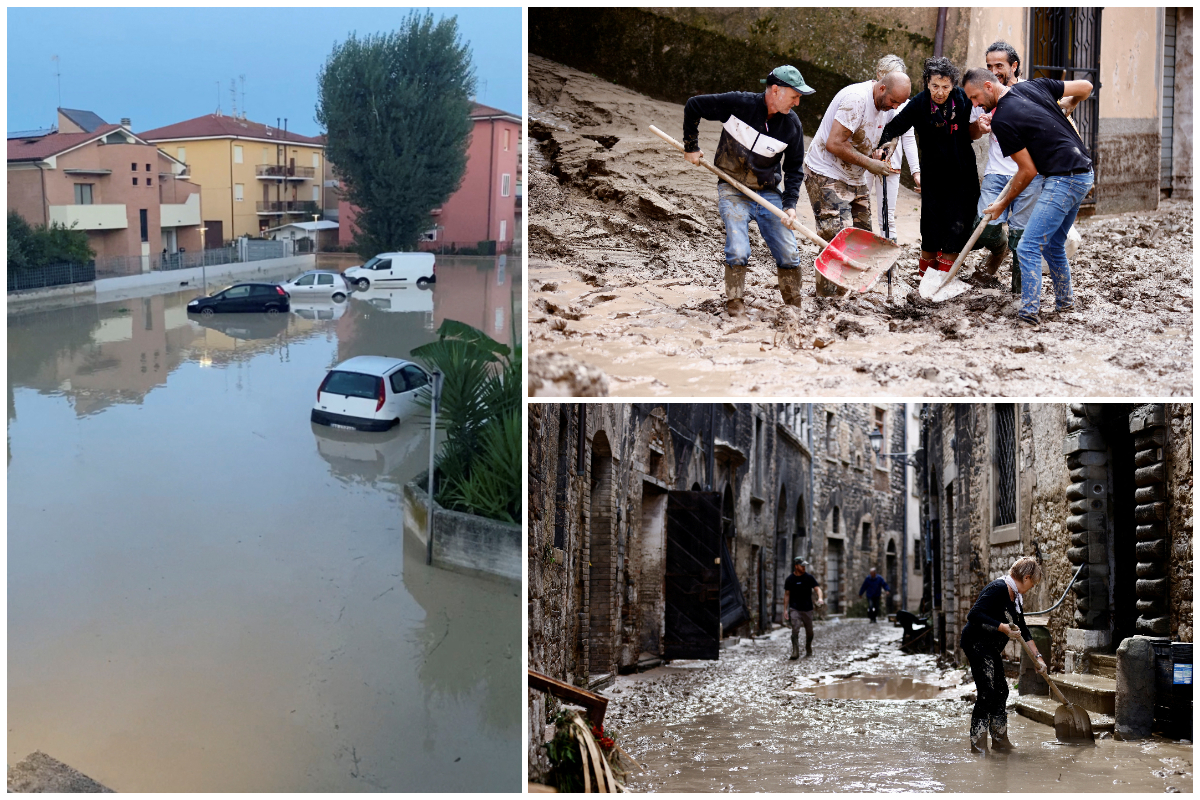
pixel 484 207
pixel 657 529
pixel 134 200
pixel 1100 494
pixel 254 176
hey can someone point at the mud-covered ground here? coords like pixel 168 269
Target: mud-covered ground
pixel 626 285
pixel 752 721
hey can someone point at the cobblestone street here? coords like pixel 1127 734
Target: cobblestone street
pixel 753 721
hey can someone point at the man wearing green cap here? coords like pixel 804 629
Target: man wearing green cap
pixel 761 144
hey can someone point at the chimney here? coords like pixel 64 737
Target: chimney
pixel 126 122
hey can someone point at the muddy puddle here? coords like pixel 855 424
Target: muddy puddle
pixel 625 278
pixel 207 592
pixel 874 687
pixel 752 722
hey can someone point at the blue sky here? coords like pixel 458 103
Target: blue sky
pixel 161 66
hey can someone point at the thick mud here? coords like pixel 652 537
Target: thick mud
pixel 752 721
pixel 626 285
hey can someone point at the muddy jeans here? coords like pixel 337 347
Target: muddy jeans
pixel 991 687
pixel 1046 237
pixel 798 619
pixel 736 210
pixel 837 205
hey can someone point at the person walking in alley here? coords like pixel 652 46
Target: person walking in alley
pixel 798 605
pixel 762 145
pixel 1028 121
pixel 983 640
pixel 873 586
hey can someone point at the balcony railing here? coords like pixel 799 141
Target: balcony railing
pixel 308 207
pixel 284 172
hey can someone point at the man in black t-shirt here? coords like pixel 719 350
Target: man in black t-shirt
pixel 1029 121
pixel 798 604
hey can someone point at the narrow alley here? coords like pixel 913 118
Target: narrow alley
pixel 858 716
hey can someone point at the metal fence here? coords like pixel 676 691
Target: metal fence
pixel 54 275
pixel 120 266
pixel 484 248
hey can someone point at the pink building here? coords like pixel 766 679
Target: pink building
pixel 133 200
pixel 486 205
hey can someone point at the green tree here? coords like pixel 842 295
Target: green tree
pixel 396 111
pixel 30 247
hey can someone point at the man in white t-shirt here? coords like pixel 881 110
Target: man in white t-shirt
pixel 839 157
pixel 1002 61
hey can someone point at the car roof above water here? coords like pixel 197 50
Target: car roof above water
pixel 371 365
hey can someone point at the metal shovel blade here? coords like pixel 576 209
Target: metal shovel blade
pixel 1071 723
pixel 931 286
pixel 857 259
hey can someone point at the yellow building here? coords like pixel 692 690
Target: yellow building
pixel 253 176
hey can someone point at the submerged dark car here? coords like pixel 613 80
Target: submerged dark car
pixel 261 297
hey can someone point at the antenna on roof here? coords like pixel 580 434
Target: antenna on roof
pixel 58 77
pixel 233 97
pixel 242 78
pixel 218 98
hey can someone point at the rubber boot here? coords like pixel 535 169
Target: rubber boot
pixel 924 264
pixel 808 647
pixel 996 257
pixel 999 730
pixel 1014 239
pixel 735 287
pixel 945 261
pixel 795 645
pixel 790 283
pixel 979 741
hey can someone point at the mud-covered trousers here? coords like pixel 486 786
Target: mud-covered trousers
pixel 991 687
pixel 736 210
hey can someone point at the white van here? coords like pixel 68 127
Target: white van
pixel 394 269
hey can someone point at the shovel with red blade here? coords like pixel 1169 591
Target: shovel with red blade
pixel 855 259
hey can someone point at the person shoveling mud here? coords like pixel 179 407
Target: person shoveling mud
pixel 761 144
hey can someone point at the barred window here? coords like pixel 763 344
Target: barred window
pixel 1006 464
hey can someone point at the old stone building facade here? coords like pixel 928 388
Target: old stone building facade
pixel 1099 493
pixel 615 490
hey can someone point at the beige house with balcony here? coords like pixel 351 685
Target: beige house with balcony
pixel 133 200
pixel 254 176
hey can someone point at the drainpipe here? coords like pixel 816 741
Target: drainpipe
pixel 940 36
pixel 45 202
pixel 491 175
pixel 712 444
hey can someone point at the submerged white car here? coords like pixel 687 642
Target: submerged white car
pixel 394 269
pixel 318 283
pixel 369 393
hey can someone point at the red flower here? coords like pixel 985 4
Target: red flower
pixel 607 742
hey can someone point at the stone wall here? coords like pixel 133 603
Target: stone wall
pixel 1179 517
pixel 1183 133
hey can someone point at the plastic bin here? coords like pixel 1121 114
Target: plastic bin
pixel 1173 688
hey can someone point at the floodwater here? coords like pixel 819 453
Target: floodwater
pixel 206 592
pixel 755 721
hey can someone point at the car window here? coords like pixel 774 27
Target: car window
pixel 263 291
pixel 371 263
pixel 306 280
pixel 397 380
pixel 327 280
pixel 383 264
pixel 351 384
pixel 235 292
pixel 415 377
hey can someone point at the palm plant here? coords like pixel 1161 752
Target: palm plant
pixel 479 463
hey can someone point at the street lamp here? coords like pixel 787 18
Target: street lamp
pixel 876 437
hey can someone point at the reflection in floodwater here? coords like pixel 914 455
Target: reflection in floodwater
pixel 208 593
pixel 875 687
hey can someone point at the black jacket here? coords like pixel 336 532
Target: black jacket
pixel 751 158
pixel 993 607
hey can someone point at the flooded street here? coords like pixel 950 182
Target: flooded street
pixel 858 716
pixel 207 592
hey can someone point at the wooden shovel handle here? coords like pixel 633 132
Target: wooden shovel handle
pixel 746 190
pixel 962 256
pixel 1057 693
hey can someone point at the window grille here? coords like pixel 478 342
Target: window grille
pixel 1006 464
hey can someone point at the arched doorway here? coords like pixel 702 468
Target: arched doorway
pixel 834 563
pixel 602 559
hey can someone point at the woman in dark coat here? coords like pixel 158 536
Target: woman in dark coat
pixel 996 617
pixel 941 116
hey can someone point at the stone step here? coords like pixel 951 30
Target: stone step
pixel 1041 709
pixel 1103 665
pixel 1089 692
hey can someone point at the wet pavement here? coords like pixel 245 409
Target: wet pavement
pixel 755 721
pixel 206 592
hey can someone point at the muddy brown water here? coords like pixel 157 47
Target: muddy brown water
pixel 206 592
pixel 626 266
pixel 751 721
pixel 875 687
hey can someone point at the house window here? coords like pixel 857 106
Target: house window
pixel 506 137
pixel 149 181
pixel 239 194
pixel 317 199
pixel 881 427
pixel 1005 512
pixel 83 194
pixel 135 181
pixel 918 555
pixel 837 520
pixel 237 154
pixel 830 437
pixel 144 218
pixel 147 168
pixel 866 536
pixel 264 158
pixel 181 154
pixel 317 165
pixel 505 185
pixel 133 167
